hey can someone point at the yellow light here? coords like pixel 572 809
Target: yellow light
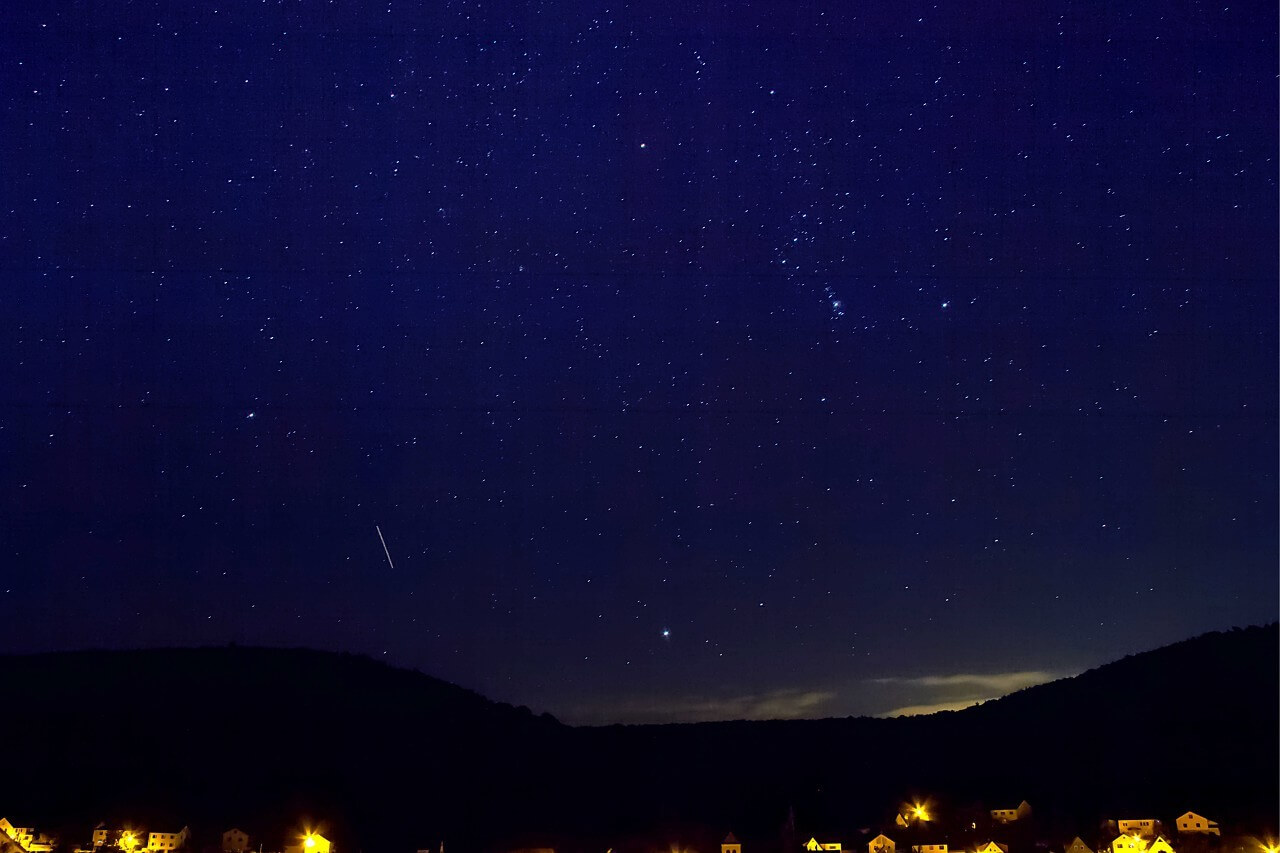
pixel 309 841
pixel 920 812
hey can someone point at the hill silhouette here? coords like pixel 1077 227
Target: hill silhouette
pixel 392 759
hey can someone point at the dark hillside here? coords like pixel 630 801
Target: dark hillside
pixel 397 760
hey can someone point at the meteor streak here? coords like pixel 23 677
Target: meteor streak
pixel 384 546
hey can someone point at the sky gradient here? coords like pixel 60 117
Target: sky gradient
pixel 695 360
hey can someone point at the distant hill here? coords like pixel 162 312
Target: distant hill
pixel 395 760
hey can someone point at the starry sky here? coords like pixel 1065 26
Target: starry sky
pixel 694 360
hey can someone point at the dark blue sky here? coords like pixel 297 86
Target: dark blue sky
pixel 696 360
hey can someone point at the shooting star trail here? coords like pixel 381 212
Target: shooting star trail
pixel 384 546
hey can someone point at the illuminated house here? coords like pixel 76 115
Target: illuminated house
pixel 235 841
pixel 312 842
pixel 1192 822
pixel 1078 846
pixel 14 832
pixel 730 844
pixel 168 840
pixel 27 838
pixel 125 839
pixel 23 835
pixel 40 843
pixel 911 813
pixel 993 847
pixel 1009 815
pixel 814 844
pixel 881 844
pixel 928 848
pixel 1160 846
pixel 1128 844
pixel 1145 827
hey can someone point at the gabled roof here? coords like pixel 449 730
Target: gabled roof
pixel 730 839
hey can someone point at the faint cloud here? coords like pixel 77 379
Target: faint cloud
pixel 957 691
pixel 787 704
pixel 917 710
pixel 997 682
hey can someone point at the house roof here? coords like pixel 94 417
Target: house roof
pixel 730 839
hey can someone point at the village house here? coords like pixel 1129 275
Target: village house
pixel 813 844
pixel 730 844
pixel 912 813
pixel 1137 844
pixel 1128 844
pixel 125 839
pixel 164 841
pixel 1022 812
pixel 1145 827
pixel 1078 846
pixel 311 842
pixel 27 838
pixel 881 844
pixel 235 841
pixel 1192 822
pixel 993 847
pixel 928 848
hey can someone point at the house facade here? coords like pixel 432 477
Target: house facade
pixel 27 838
pixel 1145 827
pixel 312 842
pixel 731 844
pixel 235 841
pixel 125 839
pixel 1021 812
pixel 1128 844
pixel 1192 822
pixel 881 844
pixel 163 841
pixel 813 844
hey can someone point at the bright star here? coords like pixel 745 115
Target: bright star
pixel 666 632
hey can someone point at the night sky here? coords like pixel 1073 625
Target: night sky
pixel 695 360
